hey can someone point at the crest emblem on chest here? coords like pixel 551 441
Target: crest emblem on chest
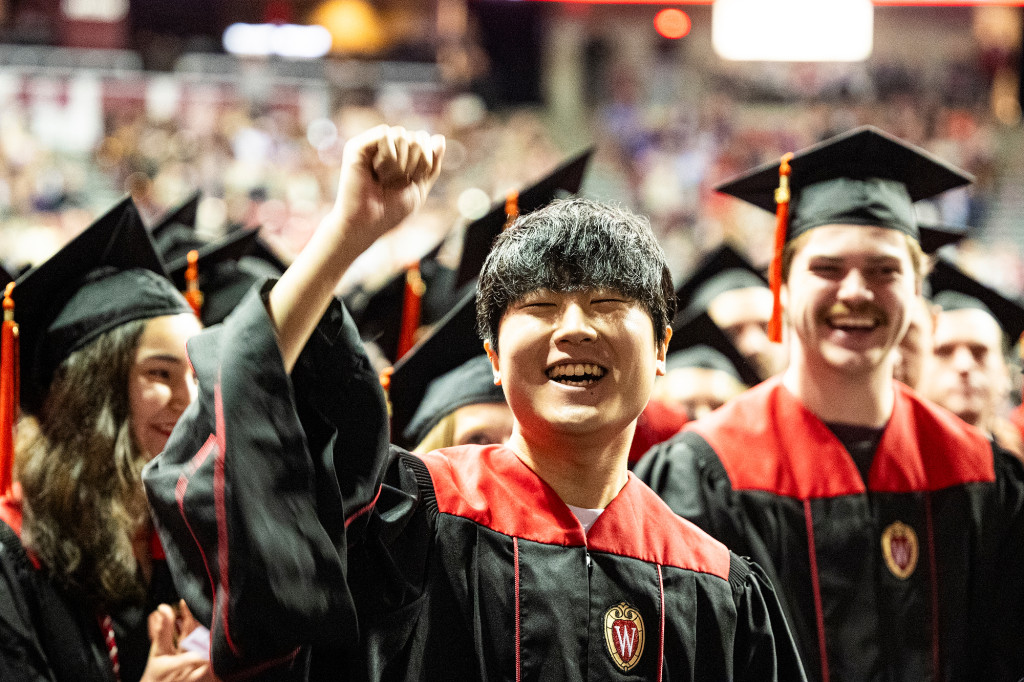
pixel 900 549
pixel 624 634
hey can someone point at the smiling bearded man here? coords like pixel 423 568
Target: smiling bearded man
pixel 893 532
pixel 317 551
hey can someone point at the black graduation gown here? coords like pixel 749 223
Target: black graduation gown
pixel 918 576
pixel 315 550
pixel 49 635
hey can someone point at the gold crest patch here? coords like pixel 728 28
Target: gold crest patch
pixel 624 635
pixel 900 549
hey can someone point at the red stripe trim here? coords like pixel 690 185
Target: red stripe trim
pixel 364 509
pixel 261 667
pixel 819 614
pixel 515 555
pixel 933 575
pixel 179 494
pixel 223 556
pixel 661 630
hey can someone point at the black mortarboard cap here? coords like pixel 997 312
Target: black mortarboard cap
pixel 445 371
pixel 701 331
pixel 261 251
pixel 222 281
pixel 934 237
pixel 108 275
pixel 175 233
pixel 862 177
pixel 481 233
pixel 379 314
pixel 5 276
pixel 952 289
pixel 724 269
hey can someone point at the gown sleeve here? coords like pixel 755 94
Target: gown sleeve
pixel 764 649
pixel 21 654
pixel 996 643
pixel 266 482
pixel 686 473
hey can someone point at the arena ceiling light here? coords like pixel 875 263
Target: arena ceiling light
pixel 793 30
pixel 282 40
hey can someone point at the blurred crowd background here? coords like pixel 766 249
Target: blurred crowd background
pixel 139 96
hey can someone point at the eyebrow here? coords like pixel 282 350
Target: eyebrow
pixel 164 357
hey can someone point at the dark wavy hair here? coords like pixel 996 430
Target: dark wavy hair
pixel 80 471
pixel 573 245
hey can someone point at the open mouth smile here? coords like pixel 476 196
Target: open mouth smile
pixel 576 374
pixel 854 323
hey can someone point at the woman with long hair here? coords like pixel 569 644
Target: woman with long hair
pixel 104 379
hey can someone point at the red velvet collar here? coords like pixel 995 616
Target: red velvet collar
pixel 491 486
pixel 767 440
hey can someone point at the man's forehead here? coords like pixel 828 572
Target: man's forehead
pixel 581 291
pixel 967 325
pixel 836 240
pixel 749 304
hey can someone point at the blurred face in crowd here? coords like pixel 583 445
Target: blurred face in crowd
pixel 743 315
pixel 698 390
pixel 578 363
pixel 968 373
pixel 915 349
pixel 161 382
pixel 482 424
pixel 848 297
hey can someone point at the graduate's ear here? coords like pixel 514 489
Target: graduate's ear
pixel 659 365
pixel 493 357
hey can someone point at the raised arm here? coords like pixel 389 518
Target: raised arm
pixel 277 467
pixel 386 173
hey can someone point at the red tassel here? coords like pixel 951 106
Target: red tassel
pixel 775 272
pixel 414 290
pixel 8 391
pixel 511 208
pixel 192 293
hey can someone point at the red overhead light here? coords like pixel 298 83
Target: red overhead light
pixel 672 23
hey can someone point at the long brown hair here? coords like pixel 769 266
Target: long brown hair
pixel 80 471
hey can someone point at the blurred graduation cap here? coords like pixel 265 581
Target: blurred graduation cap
pixel 445 371
pixel 952 289
pixel 5 276
pixel 108 275
pixel 481 233
pixel 724 269
pixel 699 342
pixel 421 294
pixel 934 237
pixel 220 278
pixel 862 177
pixel 175 233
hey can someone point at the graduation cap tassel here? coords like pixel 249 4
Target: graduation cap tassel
pixel 411 304
pixel 192 293
pixel 775 274
pixel 511 208
pixel 8 391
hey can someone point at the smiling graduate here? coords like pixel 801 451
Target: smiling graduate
pixel 316 550
pixel 893 530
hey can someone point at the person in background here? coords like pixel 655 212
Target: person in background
pixel 104 378
pixel 442 393
pixel 893 530
pixel 703 369
pixel 968 373
pixel 736 296
pixel 316 550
